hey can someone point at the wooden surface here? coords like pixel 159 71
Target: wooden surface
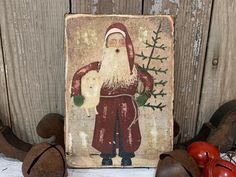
pixel 4 108
pixel 219 84
pixel 131 7
pixel 32 35
pixel 191 31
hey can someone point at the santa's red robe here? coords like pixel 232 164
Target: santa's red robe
pixel 116 103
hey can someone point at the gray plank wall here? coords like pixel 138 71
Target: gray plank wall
pixel 219 84
pixel 32 60
pixel 32 39
pixel 4 107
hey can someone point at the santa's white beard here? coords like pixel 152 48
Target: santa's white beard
pixel 115 70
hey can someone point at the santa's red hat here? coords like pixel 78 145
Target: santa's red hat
pixel 120 28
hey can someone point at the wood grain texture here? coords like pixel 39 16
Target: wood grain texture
pixel 168 7
pixel 33 37
pixel 191 31
pixel 4 104
pixel 107 6
pixel 219 84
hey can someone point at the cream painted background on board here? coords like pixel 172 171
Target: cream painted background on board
pixel 84 43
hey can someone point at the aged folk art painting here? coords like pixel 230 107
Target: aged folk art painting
pixel 119 90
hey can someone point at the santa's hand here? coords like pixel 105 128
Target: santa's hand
pixel 141 100
pixel 78 100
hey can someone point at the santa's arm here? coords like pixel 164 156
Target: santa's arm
pixel 76 81
pixel 147 81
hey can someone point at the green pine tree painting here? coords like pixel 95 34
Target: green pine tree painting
pixel 155 45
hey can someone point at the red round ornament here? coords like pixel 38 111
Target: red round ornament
pixel 203 152
pixel 220 168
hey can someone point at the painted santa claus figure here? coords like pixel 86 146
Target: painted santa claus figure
pixel 116 124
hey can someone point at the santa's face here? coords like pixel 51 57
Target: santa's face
pixel 115 40
pixel 115 70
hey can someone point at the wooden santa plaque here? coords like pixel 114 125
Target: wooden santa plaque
pixel 119 90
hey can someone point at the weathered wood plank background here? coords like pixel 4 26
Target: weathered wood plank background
pixel 4 107
pixel 32 60
pixel 219 82
pixel 32 42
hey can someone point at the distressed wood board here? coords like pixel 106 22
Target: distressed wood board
pixel 32 43
pixel 219 84
pixel 4 104
pixel 107 7
pixel 85 45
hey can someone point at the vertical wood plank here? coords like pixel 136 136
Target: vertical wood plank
pixel 83 6
pixel 191 31
pixel 33 37
pixel 168 7
pixel 4 104
pixel 107 6
pixel 219 84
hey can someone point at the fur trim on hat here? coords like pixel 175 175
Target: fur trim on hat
pixel 114 30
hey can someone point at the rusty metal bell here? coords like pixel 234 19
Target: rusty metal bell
pixel 45 160
pixel 177 163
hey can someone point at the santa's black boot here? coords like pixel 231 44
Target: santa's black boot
pixel 106 161
pixel 126 161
